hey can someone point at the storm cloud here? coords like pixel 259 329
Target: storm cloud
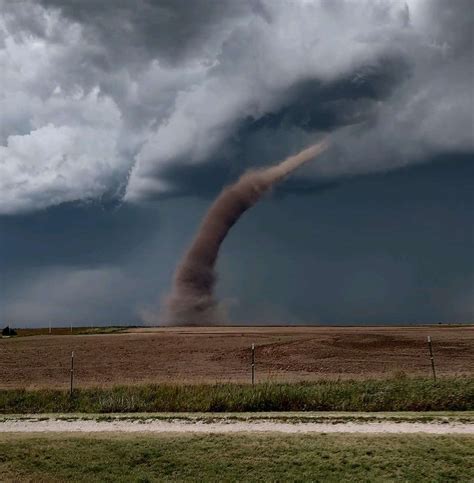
pixel 120 120
pixel 103 99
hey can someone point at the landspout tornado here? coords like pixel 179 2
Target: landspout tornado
pixel 192 300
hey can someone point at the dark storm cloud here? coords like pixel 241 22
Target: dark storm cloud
pixel 384 107
pixel 314 105
pixel 133 90
pixel 386 248
pixel 306 107
pixel 452 22
pixel 76 236
pixel 171 30
pixel 87 264
pixel 205 181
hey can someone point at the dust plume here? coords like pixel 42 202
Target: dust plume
pixel 192 299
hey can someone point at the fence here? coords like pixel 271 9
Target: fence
pixel 48 363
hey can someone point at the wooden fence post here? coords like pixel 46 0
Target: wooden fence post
pixel 253 364
pixel 430 346
pixel 72 373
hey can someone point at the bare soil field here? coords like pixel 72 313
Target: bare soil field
pixel 222 354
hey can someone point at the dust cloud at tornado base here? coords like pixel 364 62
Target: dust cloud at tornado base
pixel 192 301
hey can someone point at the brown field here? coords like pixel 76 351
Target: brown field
pixel 192 355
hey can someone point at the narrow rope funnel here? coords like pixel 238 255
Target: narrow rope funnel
pixel 192 299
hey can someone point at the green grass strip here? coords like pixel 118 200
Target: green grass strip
pixel 243 457
pixel 455 394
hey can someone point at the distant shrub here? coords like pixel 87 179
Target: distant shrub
pixel 7 331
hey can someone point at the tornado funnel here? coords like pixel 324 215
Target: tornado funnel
pixel 192 300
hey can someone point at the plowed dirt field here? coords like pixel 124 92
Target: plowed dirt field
pixel 193 355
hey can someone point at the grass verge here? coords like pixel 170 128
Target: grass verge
pixel 374 395
pixel 245 457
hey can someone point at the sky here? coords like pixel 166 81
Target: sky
pixel 121 120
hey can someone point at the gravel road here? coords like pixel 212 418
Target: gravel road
pixel 180 426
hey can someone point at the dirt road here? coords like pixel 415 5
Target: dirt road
pixel 52 425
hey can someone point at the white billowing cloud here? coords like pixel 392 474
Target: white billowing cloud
pixel 86 110
pixel 52 165
pixel 58 141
